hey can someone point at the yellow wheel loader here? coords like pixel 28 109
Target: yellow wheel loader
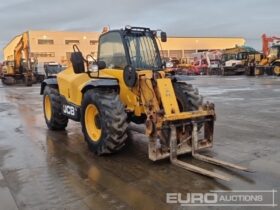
pixel 126 84
pixel 270 65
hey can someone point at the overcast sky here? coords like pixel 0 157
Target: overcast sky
pixel 246 18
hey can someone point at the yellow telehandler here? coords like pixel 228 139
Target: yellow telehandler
pixel 127 83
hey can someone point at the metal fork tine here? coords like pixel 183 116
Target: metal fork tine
pixel 218 162
pixel 187 166
pixel 209 159
pixel 199 170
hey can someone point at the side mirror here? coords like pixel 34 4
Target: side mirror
pixel 163 36
pixel 130 76
pixel 77 61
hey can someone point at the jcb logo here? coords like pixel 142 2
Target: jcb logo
pixel 70 110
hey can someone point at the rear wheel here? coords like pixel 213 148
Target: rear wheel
pixel 104 121
pixel 276 69
pixel 250 70
pixel 54 118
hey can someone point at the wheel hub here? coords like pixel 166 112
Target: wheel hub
pixel 277 70
pixel 48 109
pixel 97 121
pixel 92 122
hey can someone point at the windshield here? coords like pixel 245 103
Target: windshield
pixel 273 51
pixel 53 68
pixel 227 57
pixel 242 56
pixel 143 51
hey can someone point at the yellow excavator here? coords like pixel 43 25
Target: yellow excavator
pixel 127 83
pixel 22 68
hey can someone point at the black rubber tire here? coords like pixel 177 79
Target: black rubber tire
pixel 8 80
pixel 40 78
pixel 268 71
pixel 274 73
pixel 250 71
pixel 113 121
pixel 28 81
pixel 188 97
pixel 58 121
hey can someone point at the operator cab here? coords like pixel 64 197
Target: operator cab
pixel 133 46
pixel 242 55
pixel 274 51
pixel 228 56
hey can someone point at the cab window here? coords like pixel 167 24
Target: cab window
pixel 111 51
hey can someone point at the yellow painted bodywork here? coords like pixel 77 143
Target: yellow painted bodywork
pixel 143 98
pixel 188 115
pixel 184 65
pixel 168 97
pixel 263 62
pixel 8 70
pixel 129 97
pixel 71 85
pixel 134 99
pixel 21 48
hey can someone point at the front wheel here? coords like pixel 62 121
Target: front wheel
pixel 188 97
pixel 276 69
pixel 104 121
